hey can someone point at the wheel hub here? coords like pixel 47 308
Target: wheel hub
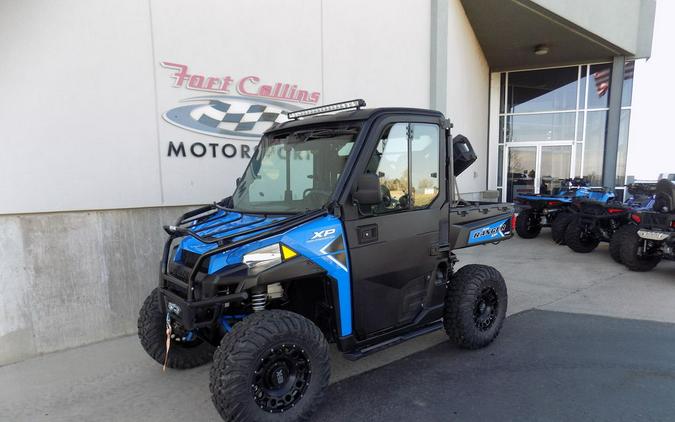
pixel 281 378
pixel 485 309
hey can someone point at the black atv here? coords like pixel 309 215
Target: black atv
pixel 591 222
pixel 652 237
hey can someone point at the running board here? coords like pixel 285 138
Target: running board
pixel 358 354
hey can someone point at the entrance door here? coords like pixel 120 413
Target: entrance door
pixel 536 168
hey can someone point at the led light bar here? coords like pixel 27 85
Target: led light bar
pixel 346 105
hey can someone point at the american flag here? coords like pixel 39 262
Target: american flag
pixel 603 76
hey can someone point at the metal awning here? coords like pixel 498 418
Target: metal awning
pixel 566 32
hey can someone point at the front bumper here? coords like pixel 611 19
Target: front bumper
pixel 202 307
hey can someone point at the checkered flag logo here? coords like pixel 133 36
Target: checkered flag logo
pixel 237 117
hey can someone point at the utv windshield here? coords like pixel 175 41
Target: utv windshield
pixel 296 171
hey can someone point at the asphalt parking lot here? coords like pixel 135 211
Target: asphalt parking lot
pixel 547 364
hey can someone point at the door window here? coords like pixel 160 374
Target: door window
pixel 406 162
pixel 424 164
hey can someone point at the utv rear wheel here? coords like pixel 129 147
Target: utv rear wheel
pixel 559 225
pixel 633 254
pixel 152 333
pixel 528 224
pixel 475 306
pixel 578 239
pixel 272 366
pixel 618 238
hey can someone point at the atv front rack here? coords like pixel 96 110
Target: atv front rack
pixel 224 243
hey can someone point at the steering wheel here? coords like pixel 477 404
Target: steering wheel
pixel 316 195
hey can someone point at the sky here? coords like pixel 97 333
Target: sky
pixel 651 147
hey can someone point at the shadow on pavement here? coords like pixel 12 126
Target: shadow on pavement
pixel 544 366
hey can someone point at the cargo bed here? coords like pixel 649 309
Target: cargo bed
pixel 476 223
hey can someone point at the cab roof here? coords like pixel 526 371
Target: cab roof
pixel 353 115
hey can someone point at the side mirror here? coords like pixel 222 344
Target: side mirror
pixel 367 190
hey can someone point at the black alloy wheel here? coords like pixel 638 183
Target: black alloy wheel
pixel 282 378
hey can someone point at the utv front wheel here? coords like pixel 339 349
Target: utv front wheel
pixel 475 306
pixel 528 224
pixel 272 366
pixel 152 333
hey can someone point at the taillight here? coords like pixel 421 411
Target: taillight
pixel 553 203
pixel 614 210
pixel 672 224
pixel 513 222
pixel 635 218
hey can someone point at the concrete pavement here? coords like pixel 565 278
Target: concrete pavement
pixel 115 380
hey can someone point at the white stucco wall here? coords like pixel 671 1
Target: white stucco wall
pixel 83 94
pixel 468 95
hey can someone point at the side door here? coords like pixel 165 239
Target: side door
pixel 393 246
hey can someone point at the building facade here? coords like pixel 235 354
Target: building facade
pixel 120 116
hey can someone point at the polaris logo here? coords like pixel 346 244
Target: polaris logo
pixel 322 234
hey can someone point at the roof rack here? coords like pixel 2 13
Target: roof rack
pixel 345 105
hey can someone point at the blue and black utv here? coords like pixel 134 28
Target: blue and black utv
pixel 341 229
pixel 543 210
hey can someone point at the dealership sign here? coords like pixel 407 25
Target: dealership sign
pixel 236 108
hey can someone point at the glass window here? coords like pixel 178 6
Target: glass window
pixel 554 168
pixel 580 127
pixel 500 169
pixel 521 174
pixel 623 148
pixel 598 85
pixel 577 159
pixel 541 127
pixel 543 90
pixel 594 146
pixel 502 91
pixel 627 91
pixel 390 163
pixel 424 164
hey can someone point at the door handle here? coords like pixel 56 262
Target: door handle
pixel 367 233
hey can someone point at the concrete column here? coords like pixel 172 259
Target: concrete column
pixel 439 56
pixel 613 123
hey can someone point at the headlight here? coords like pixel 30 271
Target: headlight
pixel 268 256
pixel 263 257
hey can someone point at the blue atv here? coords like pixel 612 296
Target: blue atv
pixel 540 210
pixel 341 229
pixel 592 222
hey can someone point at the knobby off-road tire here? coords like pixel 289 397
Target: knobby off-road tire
pixel 618 238
pixel 630 246
pixel 559 225
pixel 152 333
pixel 527 225
pixel 475 306
pixel 246 382
pixel 577 241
